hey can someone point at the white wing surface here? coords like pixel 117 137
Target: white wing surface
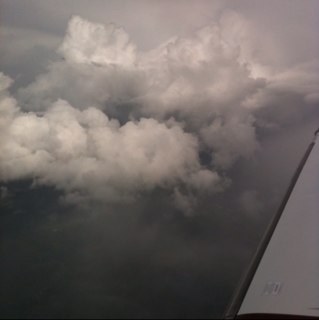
pixel 284 277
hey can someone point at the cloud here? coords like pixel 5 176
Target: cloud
pixel 206 65
pixel 195 79
pixel 109 121
pixel 21 43
pixel 91 156
pixel 8 107
pixel 86 42
pixel 230 140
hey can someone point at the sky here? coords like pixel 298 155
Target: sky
pixel 145 145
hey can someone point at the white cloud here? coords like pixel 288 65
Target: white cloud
pixel 90 156
pixel 87 42
pixel 102 61
pixel 196 79
pixel 190 94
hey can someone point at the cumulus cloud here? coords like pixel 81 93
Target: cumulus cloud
pixel 109 121
pixel 86 42
pixel 89 155
pixel 195 79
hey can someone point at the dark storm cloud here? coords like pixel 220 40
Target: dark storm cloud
pixel 115 261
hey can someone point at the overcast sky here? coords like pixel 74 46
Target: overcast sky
pixel 170 129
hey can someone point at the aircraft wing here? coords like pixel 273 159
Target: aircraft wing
pixel 283 278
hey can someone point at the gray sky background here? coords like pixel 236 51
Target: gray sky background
pixel 162 136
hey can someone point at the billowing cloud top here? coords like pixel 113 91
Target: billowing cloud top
pixel 86 42
pixel 109 122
